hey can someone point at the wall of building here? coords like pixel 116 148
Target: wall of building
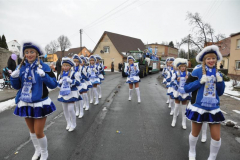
pixel 164 50
pixel 15 47
pixel 4 55
pixel 112 56
pixel 84 52
pixel 234 55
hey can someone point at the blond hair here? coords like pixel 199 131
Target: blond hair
pixel 62 70
pixel 204 63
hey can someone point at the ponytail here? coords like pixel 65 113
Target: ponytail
pixel 22 62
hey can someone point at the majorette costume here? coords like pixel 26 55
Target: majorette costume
pixel 204 107
pixel 132 71
pixel 164 74
pixel 85 79
pixel 81 88
pixel 178 92
pixel 93 71
pixel 69 94
pixel 170 79
pixel 32 98
pixel 100 75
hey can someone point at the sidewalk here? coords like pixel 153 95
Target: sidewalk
pixel 6 94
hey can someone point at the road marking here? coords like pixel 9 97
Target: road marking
pixel 224 112
pixel 236 111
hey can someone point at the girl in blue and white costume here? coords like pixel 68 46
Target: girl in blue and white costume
pixel 206 85
pixel 179 94
pixel 81 88
pixel 170 79
pixel 132 71
pixel 68 94
pixel 100 75
pixel 164 74
pixel 86 80
pixel 93 71
pixel 32 78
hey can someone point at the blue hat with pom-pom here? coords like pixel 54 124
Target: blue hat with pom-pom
pixel 31 45
pixel 75 56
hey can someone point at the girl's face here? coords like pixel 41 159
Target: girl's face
pixel 210 60
pixel 83 62
pixel 98 60
pixel 66 67
pixel 130 61
pixel 170 63
pixel 76 61
pixel 30 54
pixel 92 61
pixel 182 68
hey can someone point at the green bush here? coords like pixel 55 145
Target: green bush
pixel 193 62
pixel 225 77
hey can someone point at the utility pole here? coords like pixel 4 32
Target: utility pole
pixel 81 40
pixel 188 45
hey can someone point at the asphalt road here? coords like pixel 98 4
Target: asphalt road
pixel 144 130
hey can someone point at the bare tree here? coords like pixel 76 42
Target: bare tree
pixel 51 47
pixel 47 49
pixel 202 33
pixel 64 43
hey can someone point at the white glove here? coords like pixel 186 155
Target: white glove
pixel 10 71
pixel 69 80
pixel 94 69
pixel 60 81
pixel 40 72
pixel 15 73
pixel 219 78
pixel 203 79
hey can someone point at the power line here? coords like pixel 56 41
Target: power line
pixel 209 17
pixel 89 37
pixel 112 14
pixel 209 9
pixel 106 14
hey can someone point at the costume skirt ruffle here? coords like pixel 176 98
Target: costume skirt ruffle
pixel 179 96
pixel 88 83
pixel 72 97
pixel 82 88
pixel 100 76
pixel 35 110
pixel 95 81
pixel 170 91
pixel 136 79
pixel 200 115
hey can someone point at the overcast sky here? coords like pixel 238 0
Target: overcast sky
pixel 151 21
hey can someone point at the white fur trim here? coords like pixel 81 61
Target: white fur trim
pixel 202 111
pixel 178 61
pixel 65 59
pixel 48 101
pixel 209 49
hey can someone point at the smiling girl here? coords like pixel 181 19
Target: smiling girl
pixel 206 85
pixel 32 78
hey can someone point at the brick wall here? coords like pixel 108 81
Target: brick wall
pixel 4 55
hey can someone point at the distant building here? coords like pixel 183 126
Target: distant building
pixel 14 47
pixel 112 48
pixel 4 56
pixel 164 51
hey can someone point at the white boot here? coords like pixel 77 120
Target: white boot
pixel 43 144
pixel 184 126
pixel 91 95
pixel 168 100
pixel 86 101
pixel 81 109
pixel 99 91
pixel 214 148
pixel 66 114
pixel 77 105
pixel 204 132
pixel 176 110
pixel 169 104
pixel 192 147
pixel 172 106
pixel 130 94
pixel 138 94
pixel 72 116
pixel 96 95
pixel 36 145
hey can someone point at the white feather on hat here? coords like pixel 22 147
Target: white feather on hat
pixel 209 49
pixel 179 61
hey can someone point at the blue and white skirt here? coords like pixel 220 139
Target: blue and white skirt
pixel 88 83
pixel 170 91
pixel 100 76
pixel 200 115
pixel 95 81
pixel 35 110
pixel 82 88
pixel 181 96
pixel 136 79
pixel 72 97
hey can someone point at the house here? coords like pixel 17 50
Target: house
pixel 112 48
pixel 234 58
pixel 14 47
pixel 80 51
pixel 164 51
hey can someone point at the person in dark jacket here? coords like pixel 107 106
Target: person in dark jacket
pixel 58 67
pixel 11 64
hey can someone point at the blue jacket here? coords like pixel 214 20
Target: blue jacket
pixel 39 89
pixel 136 71
pixel 74 83
pixel 193 85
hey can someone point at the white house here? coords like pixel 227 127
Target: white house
pixel 14 46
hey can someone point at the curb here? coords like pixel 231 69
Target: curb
pixel 7 99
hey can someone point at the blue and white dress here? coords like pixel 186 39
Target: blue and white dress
pixel 85 76
pixel 205 103
pixel 164 74
pixel 32 98
pixel 133 75
pixel 73 95
pixel 93 72
pixel 171 74
pixel 179 92
pixel 101 68
pixel 78 75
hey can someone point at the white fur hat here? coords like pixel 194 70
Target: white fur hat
pixel 130 57
pixel 209 49
pixel 68 60
pixel 179 61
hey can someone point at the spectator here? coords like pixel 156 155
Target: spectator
pixel 58 67
pixel 11 64
pixel 221 66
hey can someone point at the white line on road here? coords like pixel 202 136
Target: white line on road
pixel 236 111
pixel 224 112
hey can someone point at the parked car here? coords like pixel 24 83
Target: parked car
pixel 162 65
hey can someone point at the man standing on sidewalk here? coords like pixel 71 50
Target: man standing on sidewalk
pixel 58 66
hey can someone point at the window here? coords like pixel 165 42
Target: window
pixel 238 44
pixel 237 65
pixel 106 49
